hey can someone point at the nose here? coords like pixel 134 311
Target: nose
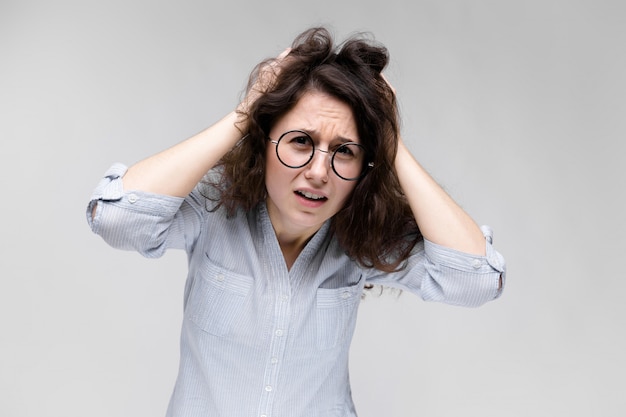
pixel 317 168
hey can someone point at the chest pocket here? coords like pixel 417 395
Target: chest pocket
pixel 217 299
pixel 336 315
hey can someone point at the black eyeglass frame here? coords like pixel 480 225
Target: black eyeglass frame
pixel 366 166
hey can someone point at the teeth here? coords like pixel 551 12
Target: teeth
pixel 311 196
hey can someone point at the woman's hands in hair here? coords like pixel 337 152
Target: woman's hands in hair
pixel 262 81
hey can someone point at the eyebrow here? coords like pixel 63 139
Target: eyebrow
pixel 341 139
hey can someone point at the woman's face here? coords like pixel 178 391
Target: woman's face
pixel 300 200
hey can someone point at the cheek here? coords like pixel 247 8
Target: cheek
pixel 344 191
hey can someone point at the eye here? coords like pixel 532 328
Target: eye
pixel 300 140
pixel 297 140
pixel 349 152
pixel 345 150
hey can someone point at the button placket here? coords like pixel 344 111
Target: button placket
pixel 282 306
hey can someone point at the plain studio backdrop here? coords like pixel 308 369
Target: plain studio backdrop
pixel 516 107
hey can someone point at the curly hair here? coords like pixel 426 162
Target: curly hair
pixel 376 226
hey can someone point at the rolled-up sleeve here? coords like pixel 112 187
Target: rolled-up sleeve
pixel 438 273
pixel 135 220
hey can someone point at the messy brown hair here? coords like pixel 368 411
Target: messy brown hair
pixel 376 226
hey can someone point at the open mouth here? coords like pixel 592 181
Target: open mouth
pixel 310 196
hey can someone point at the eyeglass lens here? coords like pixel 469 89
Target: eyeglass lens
pixel 295 149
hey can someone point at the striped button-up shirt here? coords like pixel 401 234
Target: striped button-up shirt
pixel 259 339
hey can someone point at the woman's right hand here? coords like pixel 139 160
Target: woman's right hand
pixel 267 72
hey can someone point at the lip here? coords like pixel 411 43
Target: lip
pixel 308 202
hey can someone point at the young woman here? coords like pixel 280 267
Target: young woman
pixel 288 208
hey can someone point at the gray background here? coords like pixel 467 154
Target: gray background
pixel 516 107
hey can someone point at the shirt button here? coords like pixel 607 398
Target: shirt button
pixel 132 198
pixel 345 295
pixel 219 277
pixel 268 388
pixel 278 332
pixel 476 263
pixel 274 360
pixel 285 297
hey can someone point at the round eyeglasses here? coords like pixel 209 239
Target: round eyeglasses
pixel 296 149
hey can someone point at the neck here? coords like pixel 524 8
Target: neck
pixel 291 238
pixel 291 246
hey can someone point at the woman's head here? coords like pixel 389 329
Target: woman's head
pixel 350 72
pixel 348 75
pixel 313 163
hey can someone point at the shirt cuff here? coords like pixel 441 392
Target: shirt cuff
pixel 110 187
pixel 462 261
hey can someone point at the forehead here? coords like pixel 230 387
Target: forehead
pixel 323 116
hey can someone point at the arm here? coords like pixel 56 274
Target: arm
pixel 439 218
pixel 139 207
pixel 177 170
pixel 456 263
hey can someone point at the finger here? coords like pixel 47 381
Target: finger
pixel 388 83
pixel 284 53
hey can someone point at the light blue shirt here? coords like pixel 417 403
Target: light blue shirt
pixel 258 339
